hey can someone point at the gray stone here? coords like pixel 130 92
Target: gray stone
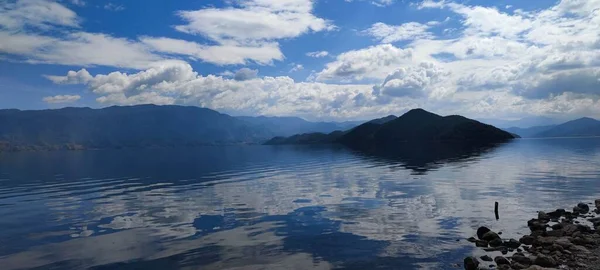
pixel 569 229
pixel 584 207
pixel 518 266
pixel 557 226
pixel 496 242
pixel 501 260
pixel 557 247
pixel 527 240
pixel 597 202
pixel 555 233
pixel 563 242
pixel 471 263
pixel 472 239
pixel 543 215
pixel 481 243
pixel 512 243
pixel 489 236
pixel 545 261
pixel 545 241
pixel 481 231
pixel 486 258
pixel 522 259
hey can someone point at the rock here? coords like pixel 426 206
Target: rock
pixel 555 233
pixel 516 265
pixel 496 242
pixel 504 267
pixel 563 242
pixel 472 239
pixel 471 263
pixel 519 250
pixel 597 202
pixel 512 243
pixel 557 226
pixel 489 236
pixel 569 229
pixel 577 210
pixel 543 215
pixel 481 231
pixel 501 260
pixel 545 241
pixel 486 258
pixel 584 207
pixel 584 228
pixel 536 225
pixel 481 243
pixel 557 214
pixel 557 247
pixel 536 267
pixel 527 240
pixel 575 249
pixel 522 259
pixel 545 261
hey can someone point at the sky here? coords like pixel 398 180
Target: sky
pixel 317 59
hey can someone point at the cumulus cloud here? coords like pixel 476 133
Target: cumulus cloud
pixel 296 67
pixel 245 74
pixel 318 54
pixel 114 7
pixel 391 33
pixel 413 81
pixel 41 14
pixel 372 62
pixel 62 99
pixel 253 21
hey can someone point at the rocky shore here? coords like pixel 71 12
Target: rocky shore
pixel 558 239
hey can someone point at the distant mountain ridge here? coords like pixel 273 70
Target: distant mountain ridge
pixel 523 123
pixel 141 126
pixel 287 126
pixel 582 127
pixel 416 125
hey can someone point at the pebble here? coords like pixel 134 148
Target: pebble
pixel 501 260
pixel 471 263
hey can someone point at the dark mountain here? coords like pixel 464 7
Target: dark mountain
pixel 526 122
pixel 419 125
pixel 416 126
pixel 307 138
pixel 528 132
pixel 131 126
pixel 327 138
pixel 383 120
pixel 582 127
pixel 287 126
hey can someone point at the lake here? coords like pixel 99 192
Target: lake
pixel 274 207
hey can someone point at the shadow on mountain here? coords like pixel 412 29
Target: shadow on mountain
pixel 423 157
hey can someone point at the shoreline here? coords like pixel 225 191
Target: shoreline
pixel 556 240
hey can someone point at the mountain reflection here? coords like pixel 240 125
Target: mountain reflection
pixel 421 157
pixel 279 207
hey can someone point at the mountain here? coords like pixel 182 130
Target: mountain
pixel 307 138
pixel 326 138
pixel 582 127
pixel 419 125
pixel 130 126
pixel 287 126
pixel 526 122
pixel 415 126
pixel 528 132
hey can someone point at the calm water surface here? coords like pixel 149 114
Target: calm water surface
pixel 274 207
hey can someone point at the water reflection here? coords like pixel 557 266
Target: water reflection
pixel 260 207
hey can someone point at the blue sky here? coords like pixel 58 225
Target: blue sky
pixel 320 59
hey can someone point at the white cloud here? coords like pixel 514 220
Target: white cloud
pixel 40 14
pixel 79 49
pixel 372 62
pixel 254 21
pixel 62 99
pixel 245 74
pixel 414 81
pixel 297 67
pixel 392 33
pixel 263 53
pixel 114 7
pixel 80 3
pixel 317 54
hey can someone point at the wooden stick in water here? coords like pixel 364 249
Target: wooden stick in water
pixel 496 211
